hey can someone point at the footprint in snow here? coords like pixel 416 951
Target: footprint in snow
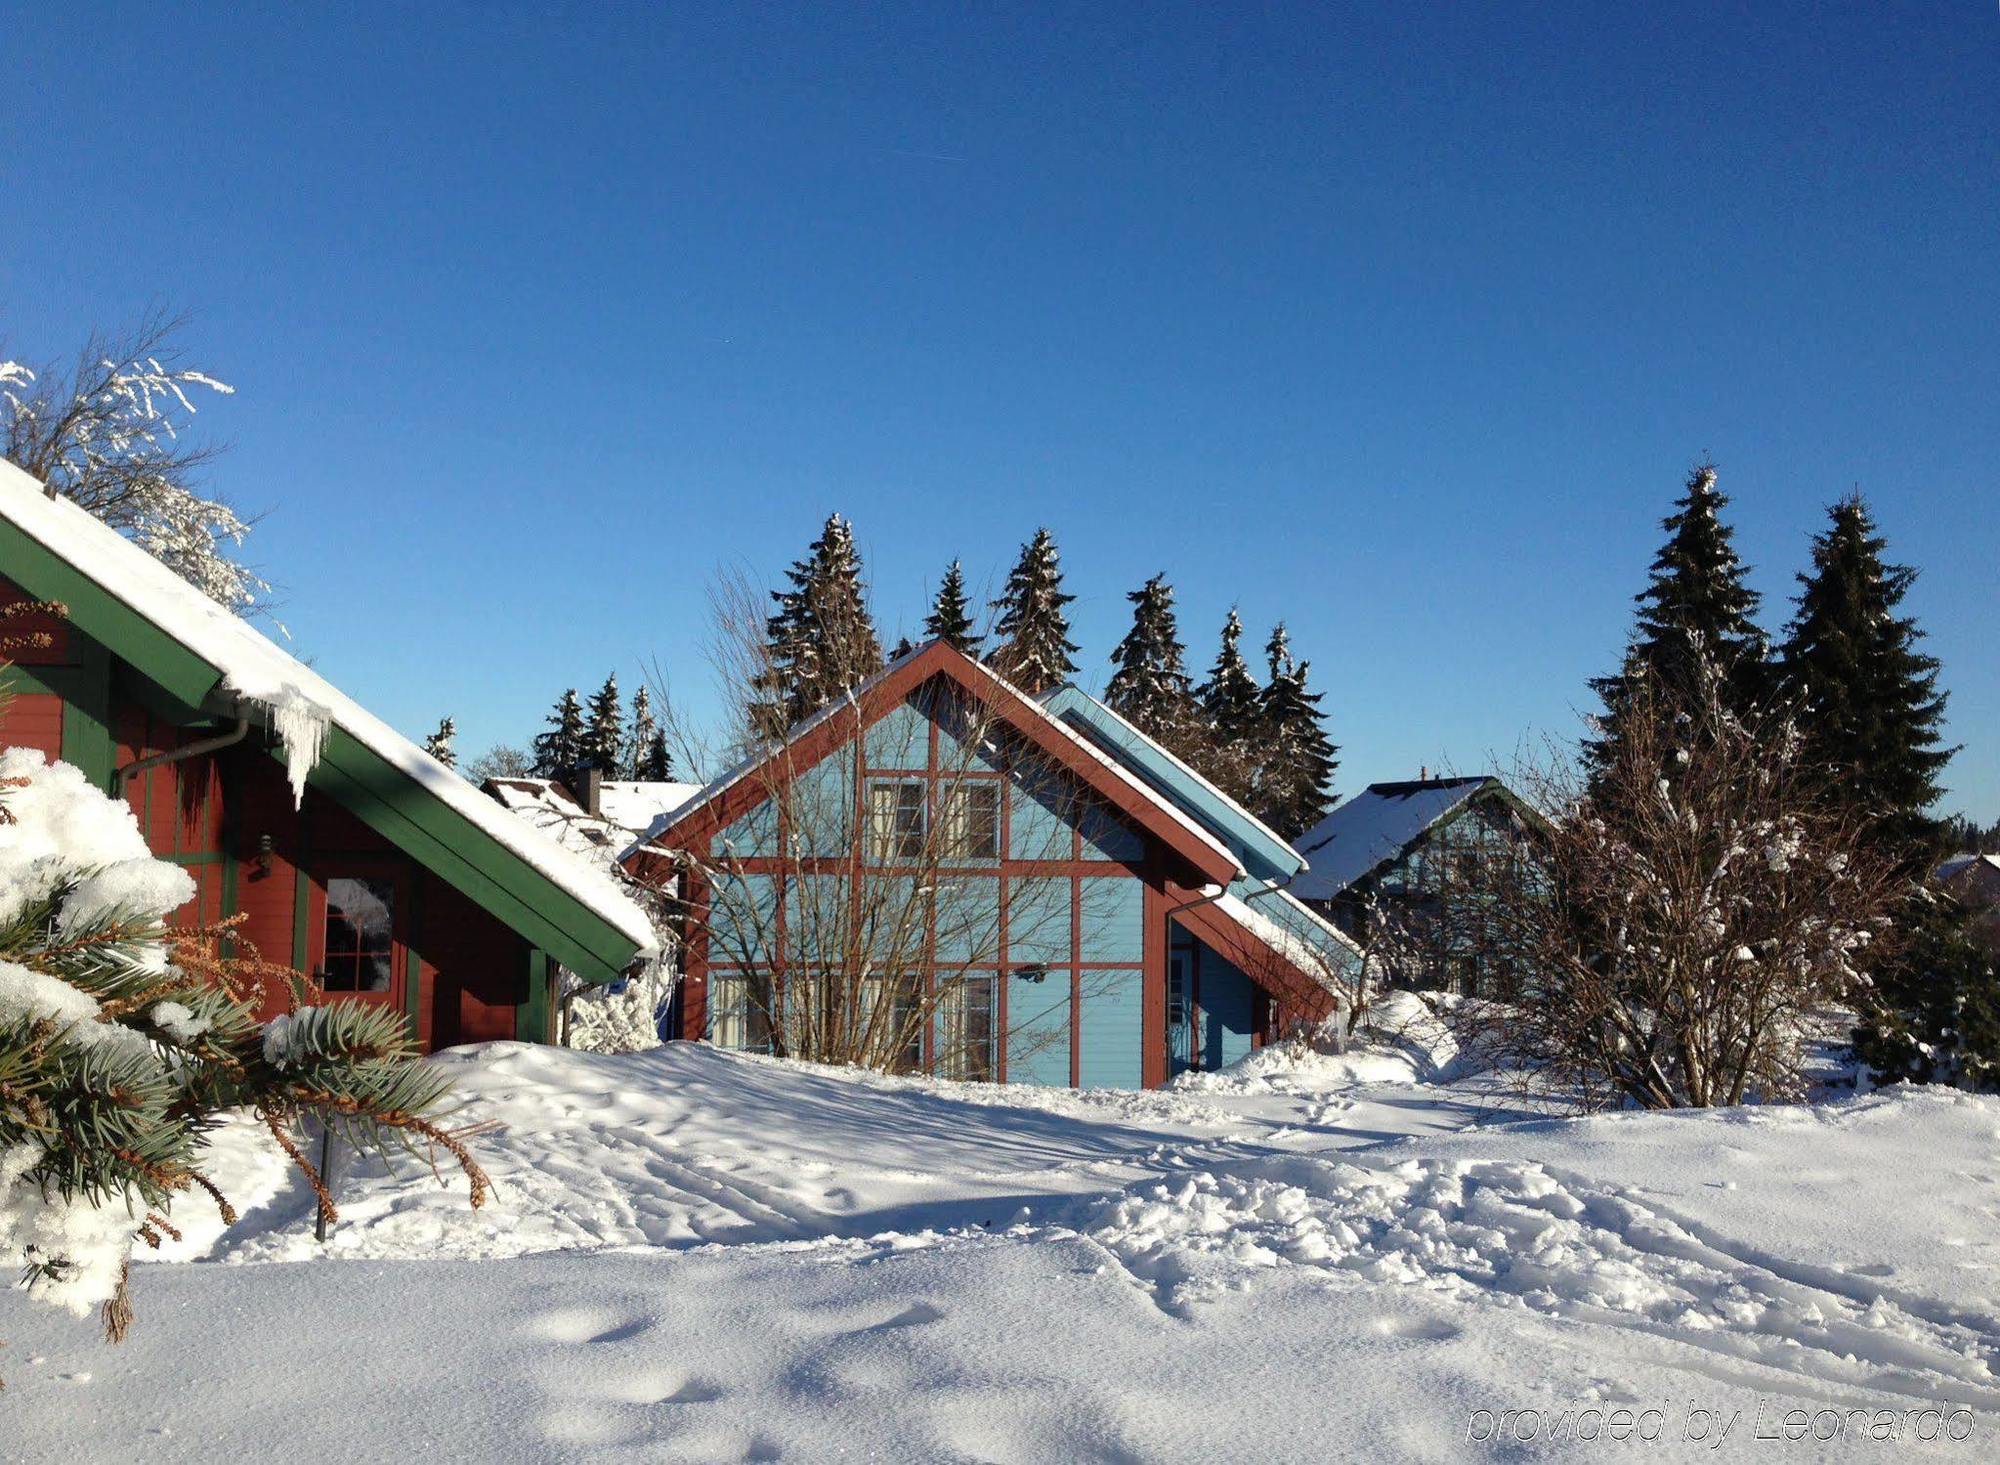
pixel 918 1315
pixel 1418 1329
pixel 695 1391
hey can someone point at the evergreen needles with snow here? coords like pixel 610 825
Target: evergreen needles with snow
pixel 1294 779
pixel 1231 707
pixel 439 743
pixel 121 1042
pixel 112 434
pixel 1696 605
pixel 560 748
pixel 603 744
pixel 950 618
pixel 646 757
pixel 821 640
pixel 1150 686
pixel 1034 650
pixel 1868 697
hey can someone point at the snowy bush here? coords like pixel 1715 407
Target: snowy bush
pixel 620 1017
pixel 121 1040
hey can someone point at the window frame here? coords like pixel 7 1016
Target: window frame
pixel 956 824
pixel 320 914
pixel 897 831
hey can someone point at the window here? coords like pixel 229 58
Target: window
pixel 896 818
pixel 971 816
pixel 965 1025
pixel 360 929
pixel 736 1018
pixel 892 1034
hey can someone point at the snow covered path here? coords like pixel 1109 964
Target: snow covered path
pixel 704 1256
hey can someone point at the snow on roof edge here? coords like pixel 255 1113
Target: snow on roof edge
pixel 255 669
pixel 1180 763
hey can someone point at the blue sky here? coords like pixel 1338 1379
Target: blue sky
pixel 1401 323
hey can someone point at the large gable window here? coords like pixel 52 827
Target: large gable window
pixel 896 818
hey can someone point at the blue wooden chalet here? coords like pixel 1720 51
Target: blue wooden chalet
pixel 995 887
pixel 1413 870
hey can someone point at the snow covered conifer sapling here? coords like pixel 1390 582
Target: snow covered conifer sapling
pixel 439 743
pixel 122 1041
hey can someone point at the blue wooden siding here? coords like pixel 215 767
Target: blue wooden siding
pixel 900 739
pixel 1112 919
pixel 1112 1034
pixel 1038 1036
pixel 1038 810
pixel 1038 921
pixel 739 906
pixel 754 833
pixel 822 805
pixel 968 918
pixel 1107 837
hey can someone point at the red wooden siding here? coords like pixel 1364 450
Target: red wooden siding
pixel 32 720
pixel 228 818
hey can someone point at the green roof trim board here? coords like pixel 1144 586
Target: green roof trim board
pixel 201 658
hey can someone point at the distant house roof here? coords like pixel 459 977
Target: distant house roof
pixel 1375 826
pixel 1974 879
pixel 207 662
pixel 627 811
pixel 1260 849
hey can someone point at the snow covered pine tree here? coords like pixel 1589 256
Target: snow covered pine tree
pixel 950 618
pixel 1695 607
pixel 439 743
pixel 560 748
pixel 1035 651
pixel 1150 687
pixel 821 640
pixel 1295 771
pixel 646 758
pixel 1230 707
pixel 603 745
pixel 122 1041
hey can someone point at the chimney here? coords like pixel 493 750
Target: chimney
pixel 586 786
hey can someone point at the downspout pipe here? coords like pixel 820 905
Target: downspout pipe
pixel 189 750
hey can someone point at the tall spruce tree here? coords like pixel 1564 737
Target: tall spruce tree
pixel 1294 785
pixel 950 618
pixel 560 748
pixel 655 764
pixel 1150 687
pixel 1867 696
pixel 1231 707
pixel 821 639
pixel 639 734
pixel 1035 652
pixel 603 746
pixel 1695 603
pixel 439 743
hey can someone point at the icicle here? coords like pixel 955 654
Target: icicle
pixel 301 725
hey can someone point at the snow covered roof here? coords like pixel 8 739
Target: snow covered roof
pixel 1191 791
pixel 1373 826
pixel 628 811
pixel 299 704
pixel 1043 718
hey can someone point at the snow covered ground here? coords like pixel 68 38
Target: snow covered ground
pixel 698 1255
